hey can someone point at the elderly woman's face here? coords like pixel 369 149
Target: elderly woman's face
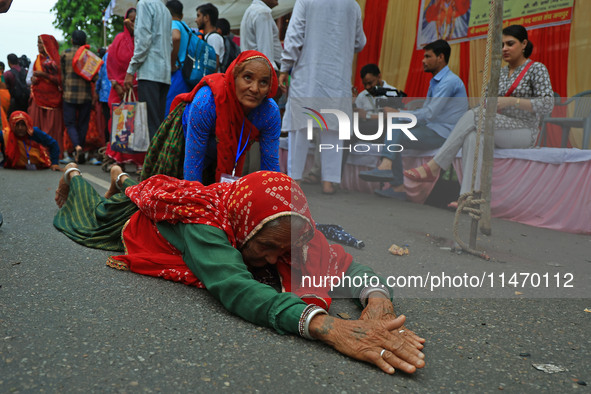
pixel 20 129
pixel 253 82
pixel 268 246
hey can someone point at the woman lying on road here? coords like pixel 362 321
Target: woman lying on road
pixel 235 240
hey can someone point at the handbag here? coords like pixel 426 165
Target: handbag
pixel 85 63
pixel 129 125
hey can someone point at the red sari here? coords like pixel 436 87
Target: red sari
pixel 120 54
pixel 240 209
pixel 45 108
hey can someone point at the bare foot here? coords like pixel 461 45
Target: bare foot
pixel 385 164
pixel 114 188
pixel 63 189
pixel 328 188
pixel 399 188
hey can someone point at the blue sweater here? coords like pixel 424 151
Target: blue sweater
pixel 199 120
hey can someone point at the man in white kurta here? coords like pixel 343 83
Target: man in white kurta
pixel 321 40
pixel 259 32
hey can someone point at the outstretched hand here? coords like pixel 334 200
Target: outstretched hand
pixel 381 308
pixel 365 339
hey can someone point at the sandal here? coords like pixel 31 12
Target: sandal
pixel 311 179
pixel 414 174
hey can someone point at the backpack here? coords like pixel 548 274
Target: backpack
pixel 20 92
pixel 231 52
pixel 200 59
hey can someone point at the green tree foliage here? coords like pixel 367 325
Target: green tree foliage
pixel 86 15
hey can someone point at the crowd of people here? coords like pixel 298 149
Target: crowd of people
pixel 196 216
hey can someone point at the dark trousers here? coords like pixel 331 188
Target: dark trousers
pixel 107 116
pixel 154 95
pixel 76 118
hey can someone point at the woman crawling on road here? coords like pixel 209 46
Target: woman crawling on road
pixel 249 243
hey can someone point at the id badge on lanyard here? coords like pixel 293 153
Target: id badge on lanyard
pixel 227 178
pixel 29 166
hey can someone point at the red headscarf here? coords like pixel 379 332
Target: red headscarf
pixel 240 209
pixel 16 149
pixel 48 94
pixel 229 112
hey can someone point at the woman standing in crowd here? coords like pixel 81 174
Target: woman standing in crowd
pixel 120 53
pixel 46 106
pixel 209 129
pixel 526 96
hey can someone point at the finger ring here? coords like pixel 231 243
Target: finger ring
pixel 382 352
pixel 401 331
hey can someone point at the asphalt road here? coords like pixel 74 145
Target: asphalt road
pixel 68 323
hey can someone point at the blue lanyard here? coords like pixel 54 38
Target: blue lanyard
pixel 27 150
pixel 239 151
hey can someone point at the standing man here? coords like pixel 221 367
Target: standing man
pixel 16 83
pixel 151 59
pixel 180 38
pixel 446 103
pixel 318 52
pixel 259 32
pixel 207 18
pixel 79 98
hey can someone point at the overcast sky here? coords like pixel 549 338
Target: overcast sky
pixel 21 25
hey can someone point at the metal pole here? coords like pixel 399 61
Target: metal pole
pixel 104 32
pixel 491 110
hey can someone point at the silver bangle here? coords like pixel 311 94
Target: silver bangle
pixel 364 296
pixel 67 172
pixel 309 319
pixel 305 318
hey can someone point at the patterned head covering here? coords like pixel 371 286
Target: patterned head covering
pixel 240 209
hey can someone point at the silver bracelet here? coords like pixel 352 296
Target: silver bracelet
pixel 304 325
pixel 364 296
pixel 67 172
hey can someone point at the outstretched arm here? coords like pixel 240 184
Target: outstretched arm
pixel 365 340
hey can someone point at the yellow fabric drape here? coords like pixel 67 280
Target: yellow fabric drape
pixel 477 58
pixel 579 58
pixel 454 59
pixel 398 42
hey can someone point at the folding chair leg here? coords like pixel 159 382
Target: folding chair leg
pixel 565 131
pixel 586 134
